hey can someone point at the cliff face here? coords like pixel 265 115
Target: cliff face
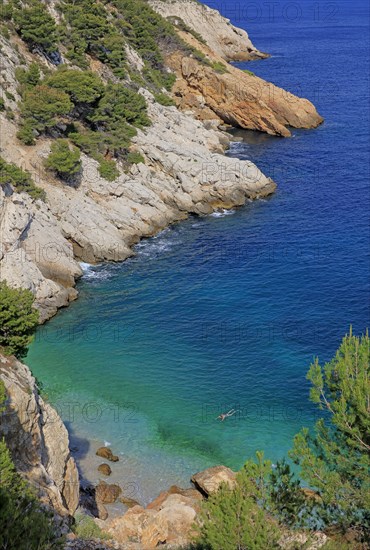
pixel 185 172
pixel 184 169
pixel 217 90
pixel 227 41
pixel 37 439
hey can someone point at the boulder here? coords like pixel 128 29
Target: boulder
pixel 107 493
pixel 168 519
pixel 208 481
pixel 90 504
pixel 106 452
pixel 105 469
pixel 130 502
pixel 158 502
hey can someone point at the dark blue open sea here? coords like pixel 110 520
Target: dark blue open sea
pixel 227 311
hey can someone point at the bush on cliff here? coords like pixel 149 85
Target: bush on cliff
pixel 20 180
pixel 40 108
pixel 18 320
pixel 81 86
pixel 24 525
pixel 36 26
pixel 64 160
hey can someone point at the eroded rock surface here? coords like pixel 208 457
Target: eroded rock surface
pixel 37 439
pixel 231 43
pixel 208 481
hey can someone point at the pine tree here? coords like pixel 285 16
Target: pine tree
pixel 64 160
pixel 233 519
pixel 18 319
pixel 336 459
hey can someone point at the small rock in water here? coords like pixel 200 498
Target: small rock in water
pixel 106 452
pixel 130 502
pixel 105 469
pixel 106 493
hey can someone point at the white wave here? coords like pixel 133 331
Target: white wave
pixel 85 266
pixel 107 444
pixel 222 213
pixel 96 272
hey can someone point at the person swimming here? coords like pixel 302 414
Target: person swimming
pixel 222 416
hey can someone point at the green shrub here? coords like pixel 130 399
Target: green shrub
pixel 2 104
pixel 182 26
pixel 28 78
pixel 81 86
pixel 164 99
pixel 26 133
pixel 90 29
pixel 135 158
pixel 108 169
pixel 219 67
pixel 86 528
pixel 4 29
pixel 6 10
pixel 3 397
pixel 18 319
pixel 248 72
pixel 40 107
pixel 9 114
pixel 20 180
pixel 36 26
pixel 9 95
pixel 91 143
pixel 64 160
pixel 118 104
pixel 24 525
pixel 231 518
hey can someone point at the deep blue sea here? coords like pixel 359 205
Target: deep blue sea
pixel 228 311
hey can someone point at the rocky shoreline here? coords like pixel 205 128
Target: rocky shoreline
pixel 184 171
pixel 39 444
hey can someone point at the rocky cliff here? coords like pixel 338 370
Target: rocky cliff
pixel 183 170
pixel 227 41
pixel 37 439
pixel 217 90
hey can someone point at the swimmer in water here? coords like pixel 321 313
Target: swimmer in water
pixel 222 416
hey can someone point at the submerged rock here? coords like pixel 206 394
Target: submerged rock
pixel 106 452
pixel 130 502
pixel 105 469
pixel 107 493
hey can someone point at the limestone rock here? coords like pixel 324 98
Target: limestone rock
pixel 239 99
pixel 105 469
pixel 130 502
pixel 168 520
pixel 107 493
pixel 221 36
pixel 208 481
pixel 174 490
pixel 37 439
pixel 106 452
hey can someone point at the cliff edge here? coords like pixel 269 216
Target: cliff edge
pixel 37 439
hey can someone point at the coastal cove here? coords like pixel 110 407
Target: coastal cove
pixel 228 310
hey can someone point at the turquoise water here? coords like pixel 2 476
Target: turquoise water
pixel 227 311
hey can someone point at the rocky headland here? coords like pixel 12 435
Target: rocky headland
pixel 184 169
